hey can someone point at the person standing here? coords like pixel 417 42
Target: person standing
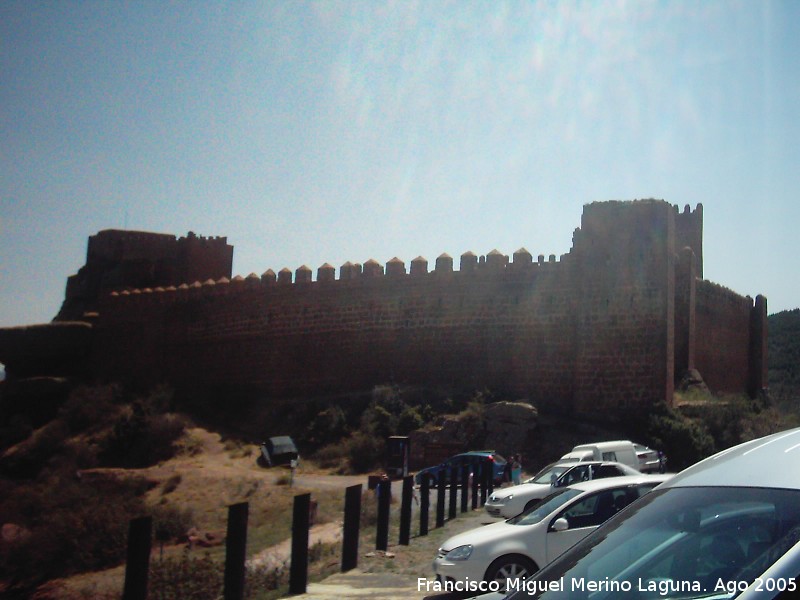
pixel 516 469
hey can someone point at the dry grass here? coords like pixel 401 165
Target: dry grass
pixel 206 478
pixel 213 475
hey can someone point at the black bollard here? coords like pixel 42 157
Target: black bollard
pixel 352 523
pixel 138 562
pixel 441 488
pixel 424 504
pixel 235 552
pixel 475 481
pixel 298 571
pixel 485 475
pixel 384 490
pixel 405 511
pixel 451 512
pixel 464 488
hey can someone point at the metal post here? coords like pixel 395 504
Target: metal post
pixel 298 571
pixel 464 488
pixel 424 504
pixel 352 523
pixel 475 482
pixel 235 551
pixel 405 511
pixel 441 488
pixel 382 529
pixel 451 513
pixel 138 561
pixel 485 475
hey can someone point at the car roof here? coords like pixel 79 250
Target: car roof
pixel 608 444
pixel 570 464
pixel 772 462
pixel 611 482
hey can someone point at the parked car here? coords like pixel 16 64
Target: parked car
pixel 441 472
pixel 517 548
pixel 509 502
pixel 650 461
pixel 279 450
pixel 726 527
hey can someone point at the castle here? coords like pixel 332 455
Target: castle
pixel 610 326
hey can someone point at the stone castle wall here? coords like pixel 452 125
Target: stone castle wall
pixel 609 327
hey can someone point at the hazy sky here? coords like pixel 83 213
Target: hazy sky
pixel 332 131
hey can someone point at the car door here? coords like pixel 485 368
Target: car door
pixel 603 471
pixel 576 474
pixel 584 516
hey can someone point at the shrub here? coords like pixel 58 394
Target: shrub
pixel 140 440
pixel 192 578
pixel 73 526
pixel 330 456
pixel 91 407
pixel 30 456
pixel 171 484
pixel 684 440
pixel 185 578
pixel 170 523
pixel 364 451
pixel 410 420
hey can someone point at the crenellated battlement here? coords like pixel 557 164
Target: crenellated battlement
pixel 472 265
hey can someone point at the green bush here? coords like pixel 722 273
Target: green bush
pixel 73 526
pixel 684 440
pixel 365 451
pixel 202 578
pixel 185 578
pixel 139 439
pixel 29 457
pixel 170 522
pixel 91 408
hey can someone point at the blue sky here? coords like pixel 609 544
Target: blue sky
pixel 313 132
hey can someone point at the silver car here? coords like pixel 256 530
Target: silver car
pixel 516 548
pixel 726 527
pixel 509 502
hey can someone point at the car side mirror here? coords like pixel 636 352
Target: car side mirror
pixel 560 524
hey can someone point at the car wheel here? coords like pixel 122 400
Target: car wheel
pixel 511 567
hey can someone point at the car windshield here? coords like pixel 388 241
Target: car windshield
pixel 548 474
pixel 540 510
pixel 678 543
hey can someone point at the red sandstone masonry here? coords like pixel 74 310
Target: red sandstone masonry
pixel 610 326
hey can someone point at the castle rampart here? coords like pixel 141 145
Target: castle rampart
pixel 610 326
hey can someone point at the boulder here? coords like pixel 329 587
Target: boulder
pixel 510 426
pixel 693 380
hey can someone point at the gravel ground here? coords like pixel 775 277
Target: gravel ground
pixel 397 572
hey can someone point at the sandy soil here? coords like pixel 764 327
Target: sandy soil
pixel 207 477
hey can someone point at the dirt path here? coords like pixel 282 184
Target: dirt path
pixel 278 555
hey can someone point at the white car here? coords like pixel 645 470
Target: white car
pixel 650 461
pixel 517 548
pixel 727 527
pixel 509 502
